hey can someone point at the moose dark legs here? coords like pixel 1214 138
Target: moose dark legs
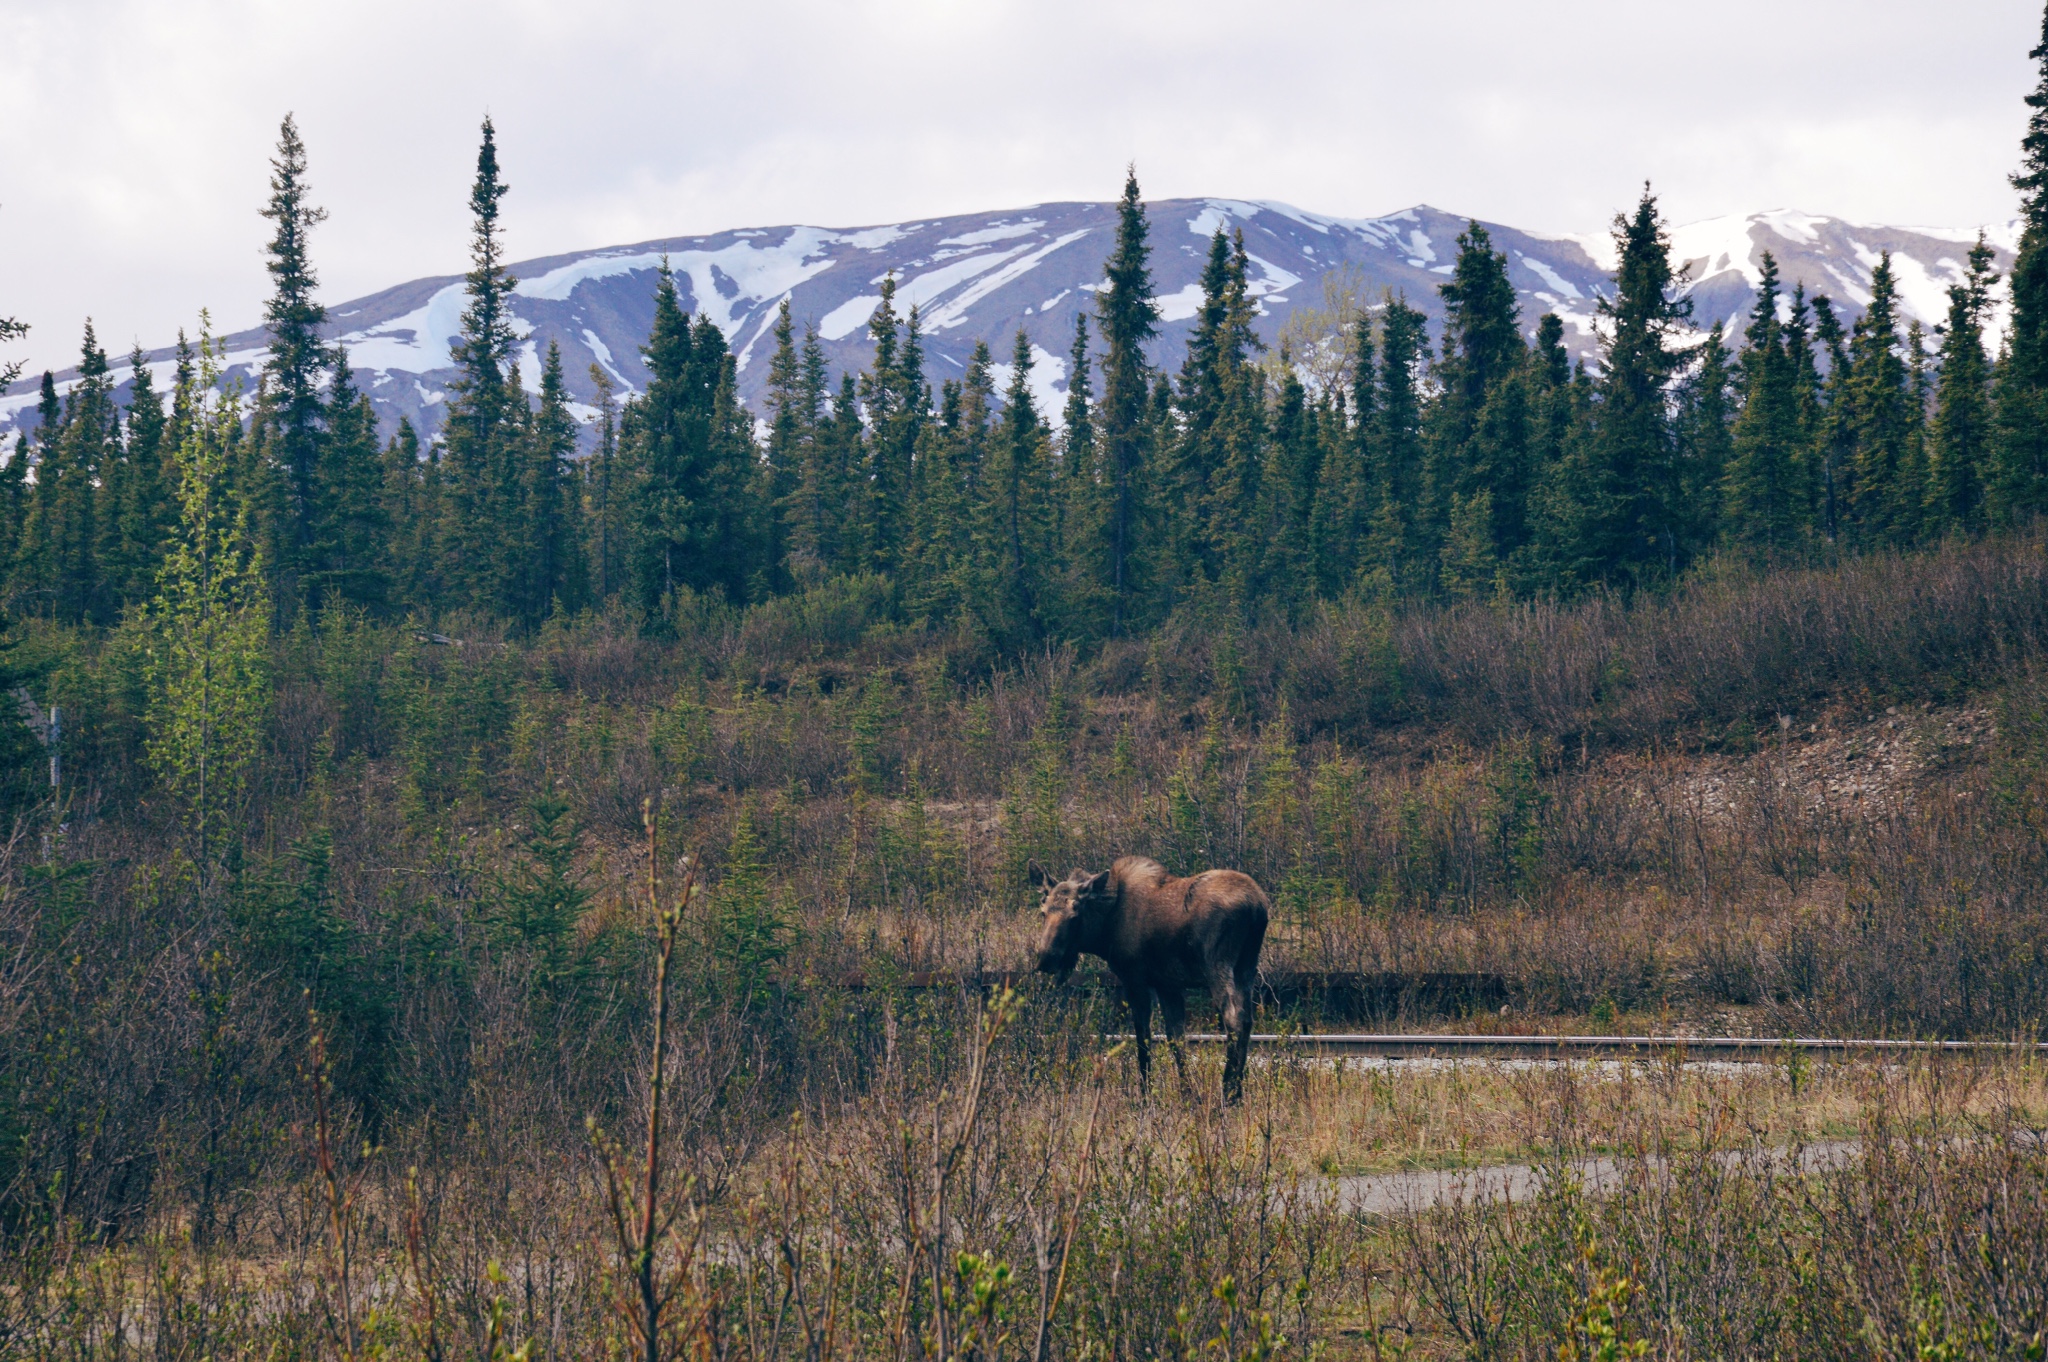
pixel 1234 998
pixel 1139 996
pixel 1173 1017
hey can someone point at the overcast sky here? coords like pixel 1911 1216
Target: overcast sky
pixel 133 133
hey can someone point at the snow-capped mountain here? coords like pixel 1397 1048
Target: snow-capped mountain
pixel 983 276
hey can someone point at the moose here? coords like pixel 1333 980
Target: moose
pixel 1163 935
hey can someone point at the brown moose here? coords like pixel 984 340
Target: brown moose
pixel 1162 935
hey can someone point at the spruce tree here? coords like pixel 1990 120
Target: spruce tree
pixel 1959 444
pixel 1764 491
pixel 299 359
pixel 348 559
pixel 1233 538
pixel 411 511
pixel 552 575
pixel 60 555
pixel 25 576
pixel 479 533
pixel 951 552
pixel 898 403
pixel 1345 488
pixel 821 499
pixel 1915 472
pixel 664 436
pixel 1641 516
pixel 1020 493
pixel 11 330
pixel 14 490
pixel 845 453
pixel 142 506
pixel 2016 487
pixel 1482 334
pixel 1884 500
pixel 1128 318
pixel 1705 432
pixel 1477 431
pixel 1825 409
pixel 1190 459
pixel 1278 540
pixel 699 511
pixel 792 447
pixel 1077 437
pixel 1394 556
pixel 604 493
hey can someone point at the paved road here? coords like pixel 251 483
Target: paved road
pixel 1408 1193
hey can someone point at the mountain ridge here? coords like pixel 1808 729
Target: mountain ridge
pixel 983 276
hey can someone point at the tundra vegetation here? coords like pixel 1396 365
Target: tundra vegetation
pixel 491 903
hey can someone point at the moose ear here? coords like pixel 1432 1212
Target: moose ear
pixel 1097 885
pixel 1037 873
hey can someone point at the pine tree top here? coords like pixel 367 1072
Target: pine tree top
pixel 2031 179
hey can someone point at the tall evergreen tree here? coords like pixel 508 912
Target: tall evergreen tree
pixel 792 446
pixel 698 513
pixel 1884 499
pixel 1765 491
pixel 897 402
pixel 1631 514
pixel 1128 318
pixel 140 503
pixel 299 359
pixel 1018 496
pixel 604 493
pixel 1960 440
pixel 1394 557
pixel 412 513
pixel 1277 546
pixel 1077 418
pixel 60 553
pixel 348 557
pixel 480 432
pixel 11 330
pixel 14 490
pixel 1705 434
pixel 2017 485
pixel 1345 486
pixel 1233 541
pixel 552 575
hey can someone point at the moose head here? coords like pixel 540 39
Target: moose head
pixel 1071 908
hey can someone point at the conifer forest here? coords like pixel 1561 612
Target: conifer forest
pixel 557 887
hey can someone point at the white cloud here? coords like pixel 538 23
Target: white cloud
pixel 135 157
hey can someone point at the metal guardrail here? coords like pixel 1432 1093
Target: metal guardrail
pixel 1395 1045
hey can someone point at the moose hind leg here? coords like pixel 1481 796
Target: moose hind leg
pixel 1237 1028
pixel 1173 1016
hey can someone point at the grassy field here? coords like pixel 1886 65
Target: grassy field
pixel 377 1079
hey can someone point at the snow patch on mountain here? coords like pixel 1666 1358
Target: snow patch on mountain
pixel 1793 225
pixel 1047 384
pixel 1179 306
pixel 418 342
pixel 1549 276
pixel 1709 248
pixel 1000 232
pixel 1924 294
pixel 954 312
